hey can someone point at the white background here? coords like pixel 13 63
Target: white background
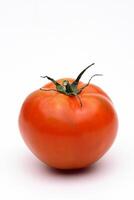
pixel 59 38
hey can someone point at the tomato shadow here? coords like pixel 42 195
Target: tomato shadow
pixel 92 172
pixel 34 168
pixel 70 172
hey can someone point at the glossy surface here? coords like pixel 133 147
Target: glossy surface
pixel 63 134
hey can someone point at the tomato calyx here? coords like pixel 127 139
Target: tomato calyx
pixel 70 89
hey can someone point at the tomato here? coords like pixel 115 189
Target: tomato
pixel 67 129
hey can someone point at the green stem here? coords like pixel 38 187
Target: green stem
pixel 70 89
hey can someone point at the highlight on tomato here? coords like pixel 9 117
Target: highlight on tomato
pixel 68 124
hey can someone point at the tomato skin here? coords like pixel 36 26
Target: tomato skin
pixel 63 134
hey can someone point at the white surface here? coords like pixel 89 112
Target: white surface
pixel 60 38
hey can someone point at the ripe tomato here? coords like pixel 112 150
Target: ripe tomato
pixel 66 131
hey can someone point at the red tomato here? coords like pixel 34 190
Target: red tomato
pixel 67 132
